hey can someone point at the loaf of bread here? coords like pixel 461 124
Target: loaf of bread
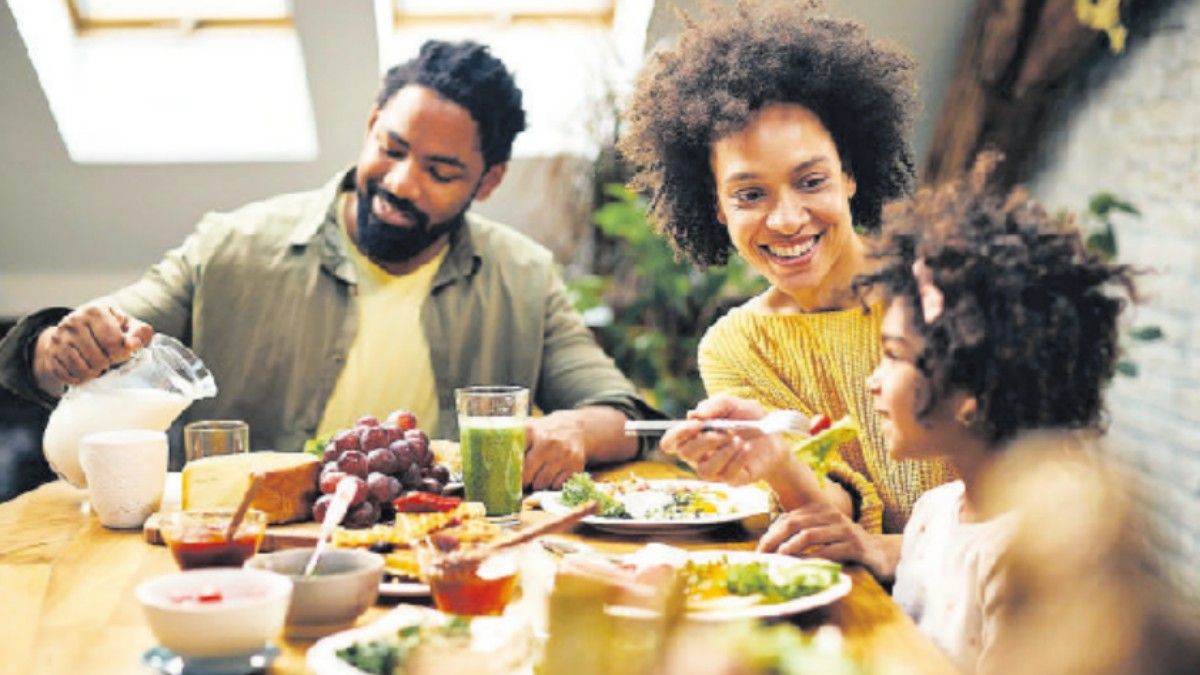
pixel 286 494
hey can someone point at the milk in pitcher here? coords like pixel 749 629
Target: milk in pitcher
pixel 81 413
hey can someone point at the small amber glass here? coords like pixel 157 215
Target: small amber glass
pixel 469 588
pixel 197 537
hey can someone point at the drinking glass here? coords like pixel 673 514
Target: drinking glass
pixel 491 428
pixel 215 437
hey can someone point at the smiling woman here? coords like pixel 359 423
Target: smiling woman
pixel 778 133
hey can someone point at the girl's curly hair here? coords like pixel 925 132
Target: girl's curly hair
pixel 1029 325
pixel 725 69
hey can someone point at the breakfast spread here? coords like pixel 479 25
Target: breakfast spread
pixel 288 486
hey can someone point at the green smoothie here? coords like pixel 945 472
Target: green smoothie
pixel 493 456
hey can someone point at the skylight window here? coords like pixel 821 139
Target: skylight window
pixel 103 14
pixel 171 81
pixel 573 59
pixel 580 10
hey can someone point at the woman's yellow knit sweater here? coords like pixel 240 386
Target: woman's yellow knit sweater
pixel 819 363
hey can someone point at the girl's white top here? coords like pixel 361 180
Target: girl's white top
pixel 947 579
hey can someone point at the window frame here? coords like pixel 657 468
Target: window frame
pixel 84 24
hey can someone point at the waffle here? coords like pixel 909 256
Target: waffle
pixel 465 525
pixel 408 527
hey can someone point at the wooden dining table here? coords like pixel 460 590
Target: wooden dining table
pixel 67 603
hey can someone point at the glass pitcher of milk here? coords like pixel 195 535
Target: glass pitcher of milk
pixel 148 391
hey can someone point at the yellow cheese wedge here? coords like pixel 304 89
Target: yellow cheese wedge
pixel 286 494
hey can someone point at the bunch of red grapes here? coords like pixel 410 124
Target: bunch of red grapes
pixel 384 461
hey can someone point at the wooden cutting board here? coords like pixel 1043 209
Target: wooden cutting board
pixel 293 535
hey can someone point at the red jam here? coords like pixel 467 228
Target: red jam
pixel 214 551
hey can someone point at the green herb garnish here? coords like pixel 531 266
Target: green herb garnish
pixel 580 489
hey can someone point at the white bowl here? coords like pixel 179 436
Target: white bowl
pixel 248 614
pixel 345 584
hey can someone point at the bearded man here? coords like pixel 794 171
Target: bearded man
pixel 376 292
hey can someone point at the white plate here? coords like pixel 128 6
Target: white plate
pixel 736 610
pixel 741 503
pixel 498 640
pixel 759 611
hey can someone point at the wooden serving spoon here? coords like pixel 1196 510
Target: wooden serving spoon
pixel 256 479
pixel 561 522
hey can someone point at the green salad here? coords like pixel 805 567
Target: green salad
pixel 388 656
pixel 580 489
pixel 720 578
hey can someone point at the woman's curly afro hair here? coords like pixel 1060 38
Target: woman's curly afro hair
pixel 1029 325
pixel 725 69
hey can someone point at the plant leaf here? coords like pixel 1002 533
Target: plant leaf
pixel 1146 333
pixel 1127 368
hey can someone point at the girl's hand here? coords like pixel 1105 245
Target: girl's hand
pixel 729 457
pixel 819 529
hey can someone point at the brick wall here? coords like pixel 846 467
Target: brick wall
pixel 1130 125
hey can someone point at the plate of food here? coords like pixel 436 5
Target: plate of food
pixel 418 639
pixel 717 585
pixel 732 585
pixel 638 506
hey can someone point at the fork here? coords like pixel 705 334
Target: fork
pixel 774 422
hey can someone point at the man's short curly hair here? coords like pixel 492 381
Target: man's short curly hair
pixel 1029 325
pixel 466 73
pixel 725 69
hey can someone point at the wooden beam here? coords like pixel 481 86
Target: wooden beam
pixel 1013 57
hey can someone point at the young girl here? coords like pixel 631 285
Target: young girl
pixel 999 323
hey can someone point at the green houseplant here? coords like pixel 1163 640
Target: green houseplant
pixel 651 308
pixel 1101 239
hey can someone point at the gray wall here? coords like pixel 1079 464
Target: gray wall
pixel 1130 125
pixel 930 30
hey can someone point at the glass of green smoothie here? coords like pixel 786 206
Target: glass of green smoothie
pixel 491 433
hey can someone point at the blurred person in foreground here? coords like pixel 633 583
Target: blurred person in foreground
pixel 376 292
pixel 778 133
pixel 999 324
pixel 1079 590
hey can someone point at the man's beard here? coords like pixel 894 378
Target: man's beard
pixel 390 244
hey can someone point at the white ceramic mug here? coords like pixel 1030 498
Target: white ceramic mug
pixel 125 471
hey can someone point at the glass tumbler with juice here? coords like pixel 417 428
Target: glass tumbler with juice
pixel 491 423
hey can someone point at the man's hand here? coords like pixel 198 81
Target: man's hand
pixel 84 344
pixel 555 449
pixel 724 456
pixel 819 529
pixel 564 442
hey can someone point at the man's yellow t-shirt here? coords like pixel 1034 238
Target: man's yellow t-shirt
pixel 388 366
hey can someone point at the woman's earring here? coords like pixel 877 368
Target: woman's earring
pixel 967 419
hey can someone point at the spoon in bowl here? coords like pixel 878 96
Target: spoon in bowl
pixel 333 517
